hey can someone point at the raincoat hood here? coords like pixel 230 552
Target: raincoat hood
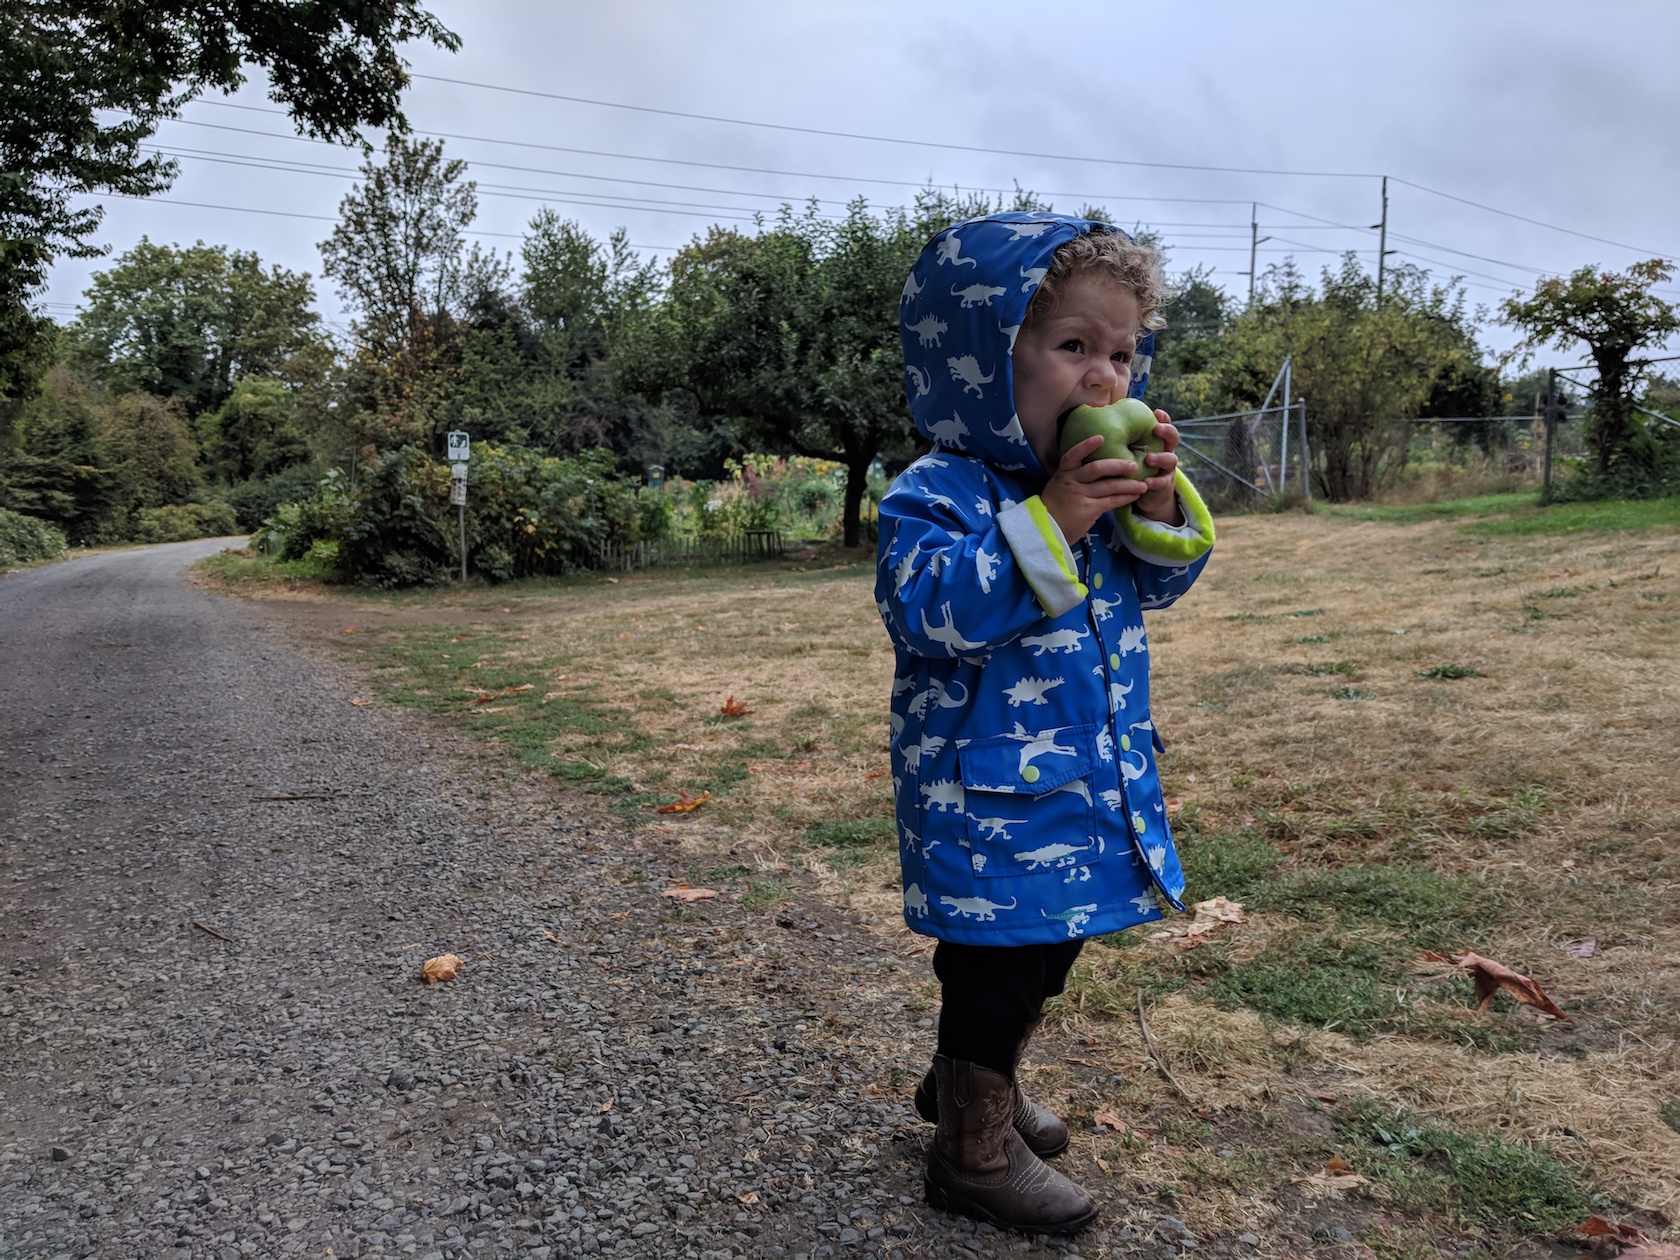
pixel 961 309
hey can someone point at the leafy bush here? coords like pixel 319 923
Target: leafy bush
pixel 320 515
pixel 26 539
pixel 182 522
pixel 530 514
pixel 395 533
pixel 256 500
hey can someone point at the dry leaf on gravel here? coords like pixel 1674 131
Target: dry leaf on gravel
pixel 749 1198
pixel 604 1108
pixel 685 894
pixel 443 967
pixel 1109 1118
pixel 359 702
pixel 685 804
pixel 734 708
pixel 1491 977
pixel 1598 1227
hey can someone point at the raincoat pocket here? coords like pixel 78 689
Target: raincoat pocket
pixel 1029 803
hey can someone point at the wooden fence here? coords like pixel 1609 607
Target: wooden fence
pixel 754 544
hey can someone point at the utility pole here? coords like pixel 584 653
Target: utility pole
pixel 1550 415
pixel 1254 242
pixel 1382 240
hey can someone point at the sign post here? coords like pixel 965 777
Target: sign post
pixel 459 447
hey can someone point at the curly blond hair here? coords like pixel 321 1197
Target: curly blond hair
pixel 1112 254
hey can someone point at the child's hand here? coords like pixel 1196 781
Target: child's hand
pixel 1159 501
pixel 1077 494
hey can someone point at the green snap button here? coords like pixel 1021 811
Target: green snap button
pixel 1114 660
pixel 1030 774
pixel 1096 581
pixel 1125 743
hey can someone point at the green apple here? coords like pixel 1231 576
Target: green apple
pixel 1126 427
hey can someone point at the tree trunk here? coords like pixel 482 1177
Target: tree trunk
pixel 857 478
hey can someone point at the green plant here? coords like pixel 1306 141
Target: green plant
pixel 181 522
pixel 1450 671
pixel 1329 980
pixel 26 540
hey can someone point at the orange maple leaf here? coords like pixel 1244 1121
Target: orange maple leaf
pixel 734 708
pixel 685 804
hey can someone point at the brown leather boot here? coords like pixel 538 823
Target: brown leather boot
pixel 979 1166
pixel 1040 1128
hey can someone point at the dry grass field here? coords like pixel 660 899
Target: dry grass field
pixel 1391 733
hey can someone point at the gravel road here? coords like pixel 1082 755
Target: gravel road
pixel 611 1073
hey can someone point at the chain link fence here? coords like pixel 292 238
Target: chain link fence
pixel 1243 458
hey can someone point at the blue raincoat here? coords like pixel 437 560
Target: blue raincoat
pixel 1023 755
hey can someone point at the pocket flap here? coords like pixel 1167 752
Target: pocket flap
pixel 1029 763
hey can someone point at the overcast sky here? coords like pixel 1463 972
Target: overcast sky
pixel 1560 112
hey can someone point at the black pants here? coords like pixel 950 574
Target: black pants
pixel 991 993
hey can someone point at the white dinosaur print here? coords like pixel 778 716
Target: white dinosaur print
pixel 943 500
pixel 938 694
pixel 1031 691
pixel 1150 602
pixel 1040 744
pixel 1113 799
pixel 997 828
pixel 929 329
pixel 967 370
pixel 1078 874
pixel 1079 789
pixel 1144 725
pixel 1034 277
pixel 928 461
pixel 977 907
pixel 896 722
pixel 901 685
pixel 1054 641
pixel 918 378
pixel 949 250
pixel 1104 608
pixel 1144 903
pixel 904 570
pixel 912 290
pixel 986 568
pixel 978 294
pixel 983 506
pixel 1021 232
pixel 929 747
pixel 1131 640
pixel 947 633
pixel 978 861
pixel 1157 856
pixel 1012 430
pixel 915 901
pixel 1105 745
pixel 1134 773
pixel 949 432
pixel 1117 693
pixel 1076 917
pixel 1012 332
pixel 1051 855
pixel 946 794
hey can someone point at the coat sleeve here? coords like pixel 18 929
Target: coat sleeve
pixel 949 586
pixel 1172 556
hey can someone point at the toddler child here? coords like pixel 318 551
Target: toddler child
pixel 1013 580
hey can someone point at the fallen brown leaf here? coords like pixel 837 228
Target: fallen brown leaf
pixel 1108 1117
pixel 604 1108
pixel 685 804
pixel 749 1198
pixel 1337 1164
pixel 1329 1181
pixel 443 967
pixel 1491 977
pixel 1324 1095
pixel 359 702
pixel 685 894
pixel 1598 1227
pixel 734 708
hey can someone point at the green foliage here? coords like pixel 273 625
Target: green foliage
pixel 97 77
pixel 254 501
pixel 1229 865
pixel 1616 314
pixel 315 519
pixel 182 522
pixel 861 833
pixel 1474 1178
pixel 27 540
pixel 1330 980
pixel 155 460
pixel 1427 909
pixel 190 323
pixel 396 534
pixel 60 468
pixel 253 434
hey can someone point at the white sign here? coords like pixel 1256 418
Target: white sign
pixel 458 445
pixel 457 494
pixel 458 471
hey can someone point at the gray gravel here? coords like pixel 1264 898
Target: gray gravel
pixel 611 1073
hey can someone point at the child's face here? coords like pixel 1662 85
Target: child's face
pixel 1080 354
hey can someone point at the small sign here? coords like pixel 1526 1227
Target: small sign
pixel 457 494
pixel 458 471
pixel 458 446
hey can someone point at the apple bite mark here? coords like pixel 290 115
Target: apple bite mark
pixel 1127 428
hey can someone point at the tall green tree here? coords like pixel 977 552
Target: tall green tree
pixel 1362 364
pixel 190 323
pixel 59 466
pixel 1616 315
pixel 84 83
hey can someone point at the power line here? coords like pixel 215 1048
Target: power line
pixel 1436 192
pixel 922 144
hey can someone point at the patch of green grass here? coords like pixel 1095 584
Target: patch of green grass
pixel 1474 1178
pixel 1564 592
pixel 1246 617
pixel 763 893
pixel 1609 516
pixel 1229 865
pixel 1517 815
pixel 1313 638
pixel 1306 612
pixel 1420 513
pixel 1450 671
pixel 1351 693
pixel 1669 1110
pixel 250 568
pixel 1427 909
pixel 851 835
pixel 1330 980
pixel 1317 669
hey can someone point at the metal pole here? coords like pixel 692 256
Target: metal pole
pixel 1549 413
pixel 1382 240
pixel 1306 455
pixel 463 542
pixel 1288 362
pixel 1253 245
pixel 1283 454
